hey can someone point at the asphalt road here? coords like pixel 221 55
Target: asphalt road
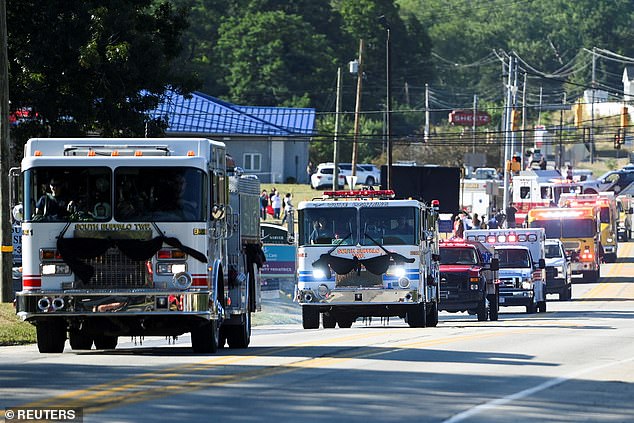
pixel 574 363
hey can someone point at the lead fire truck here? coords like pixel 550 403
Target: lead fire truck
pixel 136 237
pixel 364 254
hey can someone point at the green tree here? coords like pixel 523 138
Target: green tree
pixel 273 58
pixel 93 66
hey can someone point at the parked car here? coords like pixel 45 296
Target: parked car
pixel 484 173
pixel 323 176
pixel 614 180
pixel 364 176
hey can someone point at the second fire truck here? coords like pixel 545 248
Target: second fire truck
pixel 366 254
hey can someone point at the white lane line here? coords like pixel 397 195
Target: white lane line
pixel 527 392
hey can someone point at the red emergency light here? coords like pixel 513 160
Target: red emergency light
pixel 363 193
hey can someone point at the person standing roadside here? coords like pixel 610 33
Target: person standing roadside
pixel 510 216
pixel 288 207
pixel 264 203
pixel 276 203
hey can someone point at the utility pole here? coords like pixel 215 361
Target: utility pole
pixel 6 263
pixel 594 84
pixel 426 132
pixel 335 158
pixel 523 118
pixel 475 113
pixel 561 134
pixel 539 116
pixel 507 134
pixel 357 110
pixel 388 106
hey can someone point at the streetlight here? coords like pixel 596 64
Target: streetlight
pixel 388 101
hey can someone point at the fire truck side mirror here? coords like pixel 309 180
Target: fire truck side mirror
pixel 217 212
pixel 542 263
pixel 435 257
pixel 495 264
pixel 18 213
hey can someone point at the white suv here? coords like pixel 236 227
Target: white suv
pixel 367 174
pixel 323 176
pixel 558 270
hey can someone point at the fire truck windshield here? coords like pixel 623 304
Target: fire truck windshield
pixel 363 226
pixel 139 194
pixel 566 228
pixel 458 256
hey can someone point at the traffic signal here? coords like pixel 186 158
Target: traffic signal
pixel 625 117
pixel 515 119
pixel 618 140
pixel 577 109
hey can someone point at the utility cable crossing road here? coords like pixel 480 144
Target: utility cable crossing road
pixel 573 363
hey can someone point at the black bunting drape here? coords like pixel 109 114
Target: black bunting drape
pixel 377 265
pixel 74 250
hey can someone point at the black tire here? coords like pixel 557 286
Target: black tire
pixel 482 311
pixel 79 340
pixel 310 317
pixel 206 337
pixel 566 293
pixel 531 308
pixel 328 320
pixel 51 335
pixel 494 307
pixel 239 336
pixel 431 320
pixel 541 306
pixel 105 342
pixel 345 322
pixel 370 181
pixel 416 315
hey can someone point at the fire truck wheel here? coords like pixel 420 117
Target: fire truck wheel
pixel 493 307
pixel 541 306
pixel 310 317
pixel 51 335
pixel 482 310
pixel 431 320
pixel 345 322
pixel 416 315
pixel 531 308
pixel 205 338
pixel 240 336
pixel 79 340
pixel 104 342
pixel 328 320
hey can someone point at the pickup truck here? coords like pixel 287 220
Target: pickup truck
pixel 467 281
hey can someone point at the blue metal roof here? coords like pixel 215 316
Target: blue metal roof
pixel 208 115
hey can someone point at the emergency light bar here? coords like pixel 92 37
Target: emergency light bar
pixel 503 238
pixel 116 150
pixel 363 193
pixel 556 214
pixel 454 243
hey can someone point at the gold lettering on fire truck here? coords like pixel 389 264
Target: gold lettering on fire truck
pixel 358 252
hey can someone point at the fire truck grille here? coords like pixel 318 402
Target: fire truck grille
pixel 114 270
pixel 453 282
pixel 364 279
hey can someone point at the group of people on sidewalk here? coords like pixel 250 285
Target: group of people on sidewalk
pixel 464 221
pixel 272 204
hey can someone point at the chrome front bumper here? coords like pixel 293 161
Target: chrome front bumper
pixel 357 296
pixel 78 303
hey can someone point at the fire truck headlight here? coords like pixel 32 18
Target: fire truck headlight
pixel 403 283
pixel 319 273
pixel 182 280
pixel 169 268
pixel 55 269
pixel 610 240
pixel 527 285
pixel 398 271
pixel 323 290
